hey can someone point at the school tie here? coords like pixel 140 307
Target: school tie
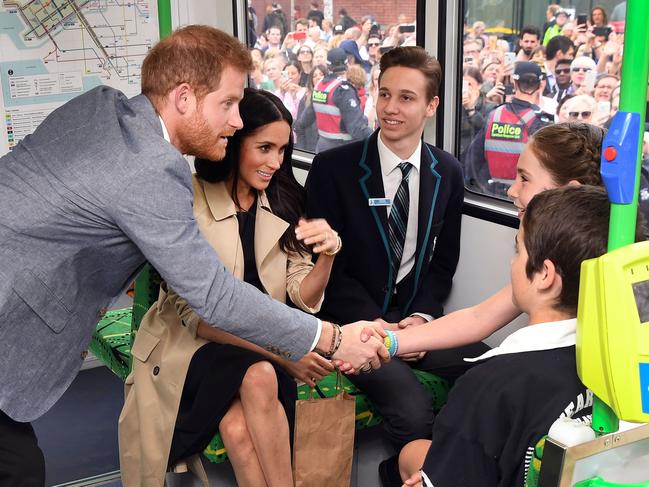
pixel 398 219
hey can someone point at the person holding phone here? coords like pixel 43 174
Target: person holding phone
pixel 474 106
pixel 290 91
pixel 582 75
pixel 490 160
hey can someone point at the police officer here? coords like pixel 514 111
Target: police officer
pixel 335 107
pixel 490 160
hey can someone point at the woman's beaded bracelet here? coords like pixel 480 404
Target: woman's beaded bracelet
pixel 336 339
pixel 391 343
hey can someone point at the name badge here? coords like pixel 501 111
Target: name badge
pixel 379 201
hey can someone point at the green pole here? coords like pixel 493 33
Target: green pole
pixel 633 98
pixel 164 18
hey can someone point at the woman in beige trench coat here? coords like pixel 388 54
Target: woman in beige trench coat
pixel 190 380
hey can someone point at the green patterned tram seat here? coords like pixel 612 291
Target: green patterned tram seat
pixel 115 332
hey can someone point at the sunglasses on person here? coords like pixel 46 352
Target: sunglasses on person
pixel 305 51
pixel 562 71
pixel 373 44
pixel 583 70
pixel 575 115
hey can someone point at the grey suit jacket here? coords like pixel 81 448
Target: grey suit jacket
pixel 84 201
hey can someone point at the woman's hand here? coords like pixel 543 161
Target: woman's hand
pixel 318 233
pixel 497 93
pixel 309 369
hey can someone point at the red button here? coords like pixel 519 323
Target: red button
pixel 610 153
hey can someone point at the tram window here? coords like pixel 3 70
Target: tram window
pixel 499 108
pixel 289 50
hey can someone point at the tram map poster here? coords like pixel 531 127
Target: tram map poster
pixel 54 50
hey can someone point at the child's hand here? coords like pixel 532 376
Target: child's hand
pixel 415 480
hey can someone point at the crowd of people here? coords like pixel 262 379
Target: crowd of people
pixel 565 69
pixel 291 58
pixel 576 77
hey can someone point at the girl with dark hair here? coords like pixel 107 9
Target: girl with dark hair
pixel 306 134
pixel 290 90
pixel 305 58
pixel 475 107
pixel 249 208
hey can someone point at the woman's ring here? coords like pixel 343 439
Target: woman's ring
pixel 366 368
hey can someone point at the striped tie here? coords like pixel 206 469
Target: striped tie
pixel 398 219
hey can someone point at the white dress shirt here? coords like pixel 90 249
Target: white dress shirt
pixel 391 180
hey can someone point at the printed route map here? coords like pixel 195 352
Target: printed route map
pixel 54 50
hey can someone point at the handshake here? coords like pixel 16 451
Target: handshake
pixel 356 347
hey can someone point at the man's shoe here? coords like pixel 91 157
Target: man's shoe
pixel 389 472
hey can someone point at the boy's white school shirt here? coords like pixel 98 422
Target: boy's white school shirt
pixel 532 338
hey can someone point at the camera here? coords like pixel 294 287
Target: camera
pixel 406 28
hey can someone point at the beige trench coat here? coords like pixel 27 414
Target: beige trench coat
pixel 166 340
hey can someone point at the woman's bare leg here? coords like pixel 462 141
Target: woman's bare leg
pixel 241 451
pixel 267 423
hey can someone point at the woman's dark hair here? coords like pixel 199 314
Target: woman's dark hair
pixel 473 73
pixel 296 64
pixel 570 151
pixel 309 82
pixel 286 196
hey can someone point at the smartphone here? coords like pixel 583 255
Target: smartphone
pixel 582 19
pixel 510 57
pixel 590 80
pixel 468 60
pixel 509 89
pixel 466 89
pixel 285 75
pixel 299 36
pixel 602 31
pixel 604 107
pixel 406 28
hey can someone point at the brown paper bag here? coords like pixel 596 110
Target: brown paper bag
pixel 323 448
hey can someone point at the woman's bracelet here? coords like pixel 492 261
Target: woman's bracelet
pixel 391 343
pixel 339 246
pixel 336 339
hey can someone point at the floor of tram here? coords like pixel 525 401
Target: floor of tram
pixel 78 437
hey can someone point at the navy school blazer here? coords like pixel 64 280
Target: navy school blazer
pixel 339 185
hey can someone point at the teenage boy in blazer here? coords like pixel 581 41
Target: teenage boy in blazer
pixel 355 187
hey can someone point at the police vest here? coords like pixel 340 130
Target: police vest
pixel 327 115
pixel 506 134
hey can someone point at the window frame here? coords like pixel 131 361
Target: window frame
pixel 440 32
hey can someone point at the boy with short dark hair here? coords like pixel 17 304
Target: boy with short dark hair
pixel 498 411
